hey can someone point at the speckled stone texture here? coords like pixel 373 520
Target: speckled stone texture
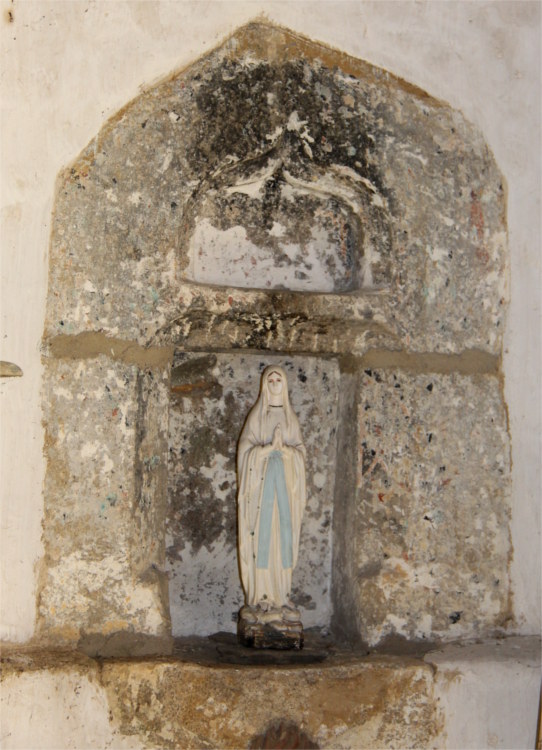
pixel 282 148
pixel 103 534
pixel 423 552
pixel 278 199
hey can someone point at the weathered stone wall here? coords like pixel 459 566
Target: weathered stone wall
pixel 107 453
pixel 212 702
pixel 425 539
pixel 292 120
pixel 354 216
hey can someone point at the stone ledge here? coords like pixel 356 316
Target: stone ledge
pixel 462 695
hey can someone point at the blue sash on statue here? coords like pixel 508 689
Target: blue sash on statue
pixel 275 485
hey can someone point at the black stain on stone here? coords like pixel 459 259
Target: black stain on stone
pixel 302 599
pixel 272 122
pixel 198 515
pixel 455 617
pixel 195 514
pixel 367 457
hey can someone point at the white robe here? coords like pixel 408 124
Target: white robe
pixel 273 584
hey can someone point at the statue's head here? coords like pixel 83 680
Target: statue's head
pixel 274 389
pixel 275 382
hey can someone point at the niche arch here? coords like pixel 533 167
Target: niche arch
pixel 411 324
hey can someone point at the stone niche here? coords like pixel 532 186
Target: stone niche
pixel 277 201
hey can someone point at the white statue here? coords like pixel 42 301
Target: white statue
pixel 271 501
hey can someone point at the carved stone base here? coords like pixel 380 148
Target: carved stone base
pixel 256 629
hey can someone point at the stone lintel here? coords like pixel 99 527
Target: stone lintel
pixel 260 333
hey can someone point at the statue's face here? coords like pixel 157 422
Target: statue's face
pixel 274 383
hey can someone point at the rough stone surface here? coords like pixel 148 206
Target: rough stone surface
pixel 278 197
pixel 425 544
pixel 295 167
pixel 103 530
pixel 210 696
pixel 211 398
pixel 372 704
pixel 343 702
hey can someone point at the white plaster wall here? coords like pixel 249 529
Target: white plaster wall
pixel 68 66
pixel 52 709
pixel 488 693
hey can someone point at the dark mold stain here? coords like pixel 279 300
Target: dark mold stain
pixel 196 514
pixel 241 104
pixel 368 457
pixel 303 599
pixel 283 125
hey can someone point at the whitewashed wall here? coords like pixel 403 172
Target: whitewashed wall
pixel 68 66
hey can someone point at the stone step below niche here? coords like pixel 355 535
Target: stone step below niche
pixel 208 696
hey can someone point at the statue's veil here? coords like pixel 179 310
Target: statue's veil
pixel 257 419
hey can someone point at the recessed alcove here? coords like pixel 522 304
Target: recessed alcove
pixel 277 202
pixel 266 229
pixel 211 397
pixel 420 547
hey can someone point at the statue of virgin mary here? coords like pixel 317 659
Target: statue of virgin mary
pixel 271 501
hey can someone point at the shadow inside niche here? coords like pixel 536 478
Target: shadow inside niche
pixel 224 648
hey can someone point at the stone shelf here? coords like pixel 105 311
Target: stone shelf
pixel 213 693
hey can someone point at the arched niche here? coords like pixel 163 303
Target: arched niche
pixel 281 201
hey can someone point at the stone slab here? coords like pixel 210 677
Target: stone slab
pixel 383 703
pixel 204 698
pixel 425 546
pixel 101 572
